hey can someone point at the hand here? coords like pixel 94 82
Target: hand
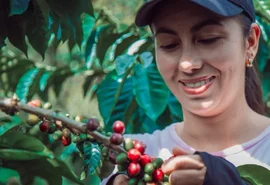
pixel 184 168
pixel 120 180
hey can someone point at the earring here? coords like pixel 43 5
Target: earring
pixel 249 63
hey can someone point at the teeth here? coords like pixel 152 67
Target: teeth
pixel 198 84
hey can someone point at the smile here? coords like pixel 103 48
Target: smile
pixel 197 87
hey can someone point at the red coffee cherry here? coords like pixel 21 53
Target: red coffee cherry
pixel 133 169
pixel 134 155
pixel 35 103
pixel 145 159
pixel 140 146
pixel 116 139
pixel 118 127
pixel 92 124
pixel 158 175
pixel 44 126
pixel 66 141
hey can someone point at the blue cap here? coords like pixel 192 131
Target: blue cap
pixel 224 8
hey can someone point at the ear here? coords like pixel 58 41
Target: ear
pixel 253 41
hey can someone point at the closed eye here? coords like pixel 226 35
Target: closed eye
pixel 209 41
pixel 168 47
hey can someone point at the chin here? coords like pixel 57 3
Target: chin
pixel 205 110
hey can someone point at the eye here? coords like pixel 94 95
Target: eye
pixel 169 47
pixel 209 41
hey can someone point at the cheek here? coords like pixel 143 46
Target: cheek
pixel 166 66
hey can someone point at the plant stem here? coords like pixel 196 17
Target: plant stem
pixel 9 103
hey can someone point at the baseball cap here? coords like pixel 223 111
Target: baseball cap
pixel 224 8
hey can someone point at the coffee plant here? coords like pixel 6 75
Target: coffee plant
pixel 43 145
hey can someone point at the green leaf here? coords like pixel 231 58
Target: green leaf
pixel 255 174
pixel 175 108
pixel 14 154
pixel 262 8
pixel 28 84
pixel 124 62
pixel 150 90
pixel 92 157
pixel 44 80
pixel 146 58
pixel 18 6
pixel 6 174
pixel 22 141
pixel 114 96
pixel 124 42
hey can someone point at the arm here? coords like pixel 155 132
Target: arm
pixel 220 171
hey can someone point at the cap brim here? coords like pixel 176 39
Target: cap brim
pixel 222 8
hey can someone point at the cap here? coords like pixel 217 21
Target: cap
pixel 221 7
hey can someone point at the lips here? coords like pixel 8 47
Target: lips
pixel 198 85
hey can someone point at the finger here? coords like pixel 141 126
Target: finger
pixel 120 180
pixel 187 177
pixel 179 151
pixel 182 162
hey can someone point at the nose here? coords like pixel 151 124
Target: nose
pixel 189 64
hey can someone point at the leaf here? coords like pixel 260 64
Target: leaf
pixel 18 6
pixel 255 174
pixel 44 80
pixel 6 174
pixel 114 91
pixel 175 108
pixel 17 140
pixel 28 84
pixel 91 157
pixel 150 90
pixel 262 8
pixel 146 58
pixel 124 62
pixel 13 154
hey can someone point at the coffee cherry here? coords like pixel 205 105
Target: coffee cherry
pixel 116 139
pixel 133 169
pixel 92 124
pixel 145 159
pixel 121 158
pixel 134 155
pixel 66 132
pixel 76 139
pixel 52 128
pixel 44 126
pixel 47 105
pixel 140 146
pixel 133 181
pixel 141 182
pixel 118 127
pixel 104 151
pixel 147 177
pixel 35 103
pixel 157 162
pixel 65 141
pixel 57 135
pixel 158 175
pixel 128 144
pixel 32 119
pixel 149 168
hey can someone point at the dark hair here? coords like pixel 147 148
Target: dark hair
pixel 253 89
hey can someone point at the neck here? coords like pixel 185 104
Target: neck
pixel 211 134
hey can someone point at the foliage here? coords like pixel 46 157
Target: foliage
pixel 117 61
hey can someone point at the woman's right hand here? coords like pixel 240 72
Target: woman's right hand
pixel 121 180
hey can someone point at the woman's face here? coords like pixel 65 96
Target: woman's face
pixel 200 56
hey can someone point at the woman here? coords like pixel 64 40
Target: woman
pixel 205 51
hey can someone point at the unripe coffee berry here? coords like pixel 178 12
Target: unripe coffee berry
pixel 116 139
pixel 118 127
pixel 121 158
pixel 133 169
pixel 133 181
pixel 149 168
pixel 92 124
pixel 65 141
pixel 44 126
pixel 128 144
pixel 134 155
pixel 140 146
pixel 157 162
pixel 66 132
pixel 147 177
pixel 158 175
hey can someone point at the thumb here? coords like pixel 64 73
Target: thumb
pixel 179 151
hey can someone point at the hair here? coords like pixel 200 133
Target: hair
pixel 253 89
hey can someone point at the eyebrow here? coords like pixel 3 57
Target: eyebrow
pixel 194 29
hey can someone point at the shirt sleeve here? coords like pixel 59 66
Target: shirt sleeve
pixel 220 171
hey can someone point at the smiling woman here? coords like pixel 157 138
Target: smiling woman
pixel 205 52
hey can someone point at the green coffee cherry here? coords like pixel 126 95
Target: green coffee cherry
pixel 133 181
pixel 149 168
pixel 104 151
pixel 121 158
pixel 141 182
pixel 76 139
pixel 147 177
pixel 57 135
pixel 157 162
pixel 166 178
pixel 128 144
